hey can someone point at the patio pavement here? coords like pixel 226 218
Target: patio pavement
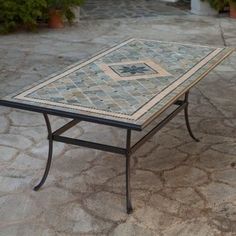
pixel 179 187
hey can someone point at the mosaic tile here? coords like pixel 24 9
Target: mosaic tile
pixel 133 69
pixel 129 82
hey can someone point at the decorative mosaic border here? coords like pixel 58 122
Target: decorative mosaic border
pixel 136 115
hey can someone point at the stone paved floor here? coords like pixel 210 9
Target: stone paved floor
pixel 179 187
pixel 108 9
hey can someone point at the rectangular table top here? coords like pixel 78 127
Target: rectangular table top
pixel 129 84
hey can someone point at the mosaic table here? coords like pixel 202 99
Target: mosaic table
pixel 127 86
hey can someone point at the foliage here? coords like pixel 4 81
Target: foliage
pixel 66 7
pixel 26 13
pixel 218 4
pixel 16 13
pixel 233 2
pixel 62 4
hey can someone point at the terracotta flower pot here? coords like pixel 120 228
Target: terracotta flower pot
pixel 233 10
pixel 55 19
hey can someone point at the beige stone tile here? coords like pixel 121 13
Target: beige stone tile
pixel 185 176
pixel 26 230
pixel 198 227
pixel 211 160
pixel 187 196
pixel 162 159
pixel 22 118
pixel 71 218
pixel 24 208
pixel 132 229
pixel 17 141
pixel 140 179
pixel 155 219
pixel 7 153
pixel 226 176
pixel 217 193
pixel 4 124
pixel 107 205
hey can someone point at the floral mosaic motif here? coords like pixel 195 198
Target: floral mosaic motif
pixel 133 69
pixel 130 70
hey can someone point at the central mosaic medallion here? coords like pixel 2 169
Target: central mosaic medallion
pixel 134 70
pixel 130 70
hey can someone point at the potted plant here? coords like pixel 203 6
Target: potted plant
pixel 59 9
pixel 217 4
pixel 220 4
pixel 232 4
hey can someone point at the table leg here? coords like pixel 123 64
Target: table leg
pixel 187 118
pixel 50 151
pixel 128 190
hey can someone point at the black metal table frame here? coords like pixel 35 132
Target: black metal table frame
pixel 127 151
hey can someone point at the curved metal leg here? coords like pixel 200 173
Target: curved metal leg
pixel 187 119
pixel 128 195
pixel 50 151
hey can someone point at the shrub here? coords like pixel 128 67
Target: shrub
pixel 20 13
pixel 26 13
pixel 218 4
pixel 66 7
